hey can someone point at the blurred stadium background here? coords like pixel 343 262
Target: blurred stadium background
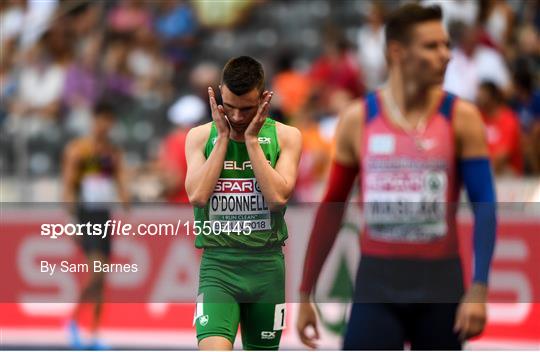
pixel 155 59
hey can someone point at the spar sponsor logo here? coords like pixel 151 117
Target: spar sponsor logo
pixel 248 185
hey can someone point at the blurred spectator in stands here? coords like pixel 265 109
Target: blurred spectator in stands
pixel 9 23
pixel 83 86
pixel 315 158
pixel 291 87
pixel 222 14
pixel 128 16
pixel 176 27
pixel 336 69
pixel 473 63
pixel 25 21
pixel 503 132
pixel 531 13
pixel 496 18
pixel 151 71
pixel 327 125
pixel 526 104
pixel 84 22
pixel 12 15
pixel 59 40
pixel 370 42
pixel 185 113
pixel 205 74
pixel 526 100
pixel 317 148
pixel 527 53
pixel 118 79
pixel 40 88
pixel 465 11
pixel 8 88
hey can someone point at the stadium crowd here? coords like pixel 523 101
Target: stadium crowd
pixel 155 59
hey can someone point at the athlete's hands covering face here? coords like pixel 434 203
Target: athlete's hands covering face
pixel 471 315
pixel 252 131
pixel 218 115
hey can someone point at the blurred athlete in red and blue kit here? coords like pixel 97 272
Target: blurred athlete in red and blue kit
pixel 412 146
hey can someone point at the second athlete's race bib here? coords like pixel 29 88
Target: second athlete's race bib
pixel 406 205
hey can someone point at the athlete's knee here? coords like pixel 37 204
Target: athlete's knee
pixel 216 343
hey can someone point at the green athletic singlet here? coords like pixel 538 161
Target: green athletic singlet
pixel 242 273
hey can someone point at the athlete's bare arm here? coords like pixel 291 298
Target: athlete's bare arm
pixel 202 174
pixel 69 174
pixel 277 184
pixel 348 141
pixel 349 135
pixel 121 179
pixel 471 143
pixel 470 131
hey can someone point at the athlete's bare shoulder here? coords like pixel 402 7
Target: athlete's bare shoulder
pixel 353 114
pixel 349 133
pixel 288 135
pixel 467 120
pixel 469 130
pixel 77 146
pixel 81 142
pixel 464 110
pixel 198 135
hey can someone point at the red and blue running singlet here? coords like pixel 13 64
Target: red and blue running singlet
pixel 409 186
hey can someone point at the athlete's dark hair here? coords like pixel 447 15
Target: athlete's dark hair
pixel 401 21
pixel 104 108
pixel 242 74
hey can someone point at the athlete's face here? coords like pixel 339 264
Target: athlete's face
pixel 240 109
pixel 103 124
pixel 425 57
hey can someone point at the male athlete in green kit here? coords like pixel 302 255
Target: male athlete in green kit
pixel 242 168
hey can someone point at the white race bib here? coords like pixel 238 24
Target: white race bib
pixel 97 189
pixel 238 203
pixel 406 205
